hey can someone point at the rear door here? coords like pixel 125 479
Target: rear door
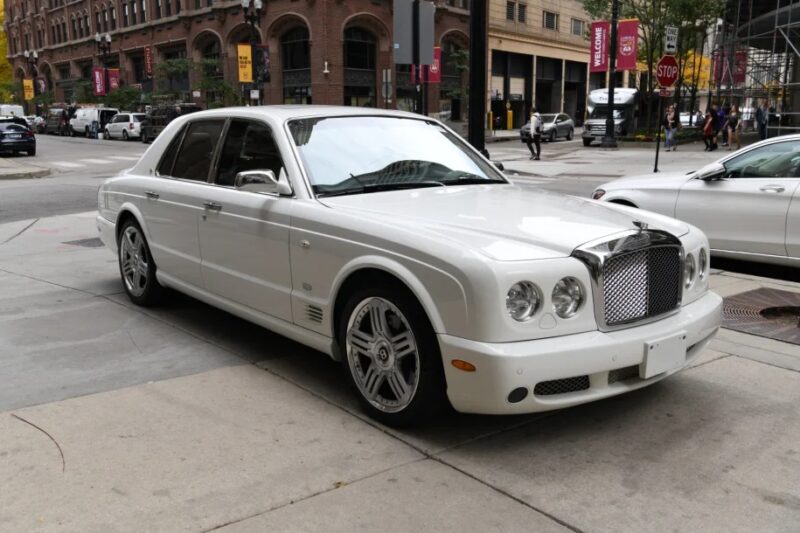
pixel 746 211
pixel 173 202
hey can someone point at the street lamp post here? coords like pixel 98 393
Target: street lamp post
pixel 104 47
pixel 609 141
pixel 32 57
pixel 253 11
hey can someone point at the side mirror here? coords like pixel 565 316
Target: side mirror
pixel 263 181
pixel 712 172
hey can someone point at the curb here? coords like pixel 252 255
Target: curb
pixel 26 174
pixel 501 139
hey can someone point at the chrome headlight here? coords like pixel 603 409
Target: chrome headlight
pixel 567 297
pixel 523 300
pixel 689 270
pixel 702 264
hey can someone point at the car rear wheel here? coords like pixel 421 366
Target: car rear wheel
pixel 106 134
pixel 31 152
pixel 124 135
pixel 569 134
pixel 136 266
pixel 391 355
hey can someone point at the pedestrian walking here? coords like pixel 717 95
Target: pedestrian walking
pixel 708 131
pixel 762 115
pixel 715 126
pixel 734 129
pixel 670 128
pixel 535 138
pixel 723 121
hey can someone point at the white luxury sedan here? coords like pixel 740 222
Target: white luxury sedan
pixel 748 203
pixel 385 241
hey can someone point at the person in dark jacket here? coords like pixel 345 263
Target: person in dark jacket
pixel 762 115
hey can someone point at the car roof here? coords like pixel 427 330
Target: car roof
pixel 288 112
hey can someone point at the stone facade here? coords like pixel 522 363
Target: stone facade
pixel 321 51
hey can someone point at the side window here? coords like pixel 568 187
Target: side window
pixel 168 158
pixel 248 146
pixel 197 150
pixel 777 160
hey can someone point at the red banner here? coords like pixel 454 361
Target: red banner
pixel 598 51
pixel 98 81
pixel 627 44
pixel 113 79
pixel 148 61
pixel 435 70
pixel 724 70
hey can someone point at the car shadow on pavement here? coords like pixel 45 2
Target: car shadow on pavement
pixel 777 272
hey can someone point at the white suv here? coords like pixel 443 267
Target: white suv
pixel 124 126
pixel 81 123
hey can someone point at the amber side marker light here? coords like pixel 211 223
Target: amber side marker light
pixel 463 365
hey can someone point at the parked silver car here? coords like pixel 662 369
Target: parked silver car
pixel 554 125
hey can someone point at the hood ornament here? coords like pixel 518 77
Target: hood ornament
pixel 641 225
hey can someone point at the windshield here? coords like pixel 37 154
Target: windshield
pixel 548 118
pixel 354 155
pixel 602 112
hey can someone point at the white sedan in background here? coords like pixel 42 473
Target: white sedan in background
pixel 385 241
pixel 748 203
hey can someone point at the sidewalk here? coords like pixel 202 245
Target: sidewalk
pixel 19 168
pixel 184 418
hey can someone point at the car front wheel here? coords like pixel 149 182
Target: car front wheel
pixel 569 134
pixel 136 266
pixel 553 136
pixel 124 135
pixel 392 356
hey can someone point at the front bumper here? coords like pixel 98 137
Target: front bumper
pixel 108 232
pixel 21 145
pixel 596 355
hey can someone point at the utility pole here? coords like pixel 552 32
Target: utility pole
pixel 478 50
pixel 415 55
pixel 609 141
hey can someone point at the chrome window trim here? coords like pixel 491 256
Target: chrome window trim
pixel 627 242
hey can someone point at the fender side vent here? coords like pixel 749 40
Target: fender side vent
pixel 314 313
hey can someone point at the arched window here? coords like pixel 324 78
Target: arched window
pixel 359 67
pixel 452 88
pixel 296 65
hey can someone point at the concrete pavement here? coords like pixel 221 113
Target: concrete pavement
pixel 184 418
pixel 18 167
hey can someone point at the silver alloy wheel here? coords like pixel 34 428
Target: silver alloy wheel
pixel 133 260
pixel 382 354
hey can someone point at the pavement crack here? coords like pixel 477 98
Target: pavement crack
pixel 60 451
pixel 133 341
pixel 20 232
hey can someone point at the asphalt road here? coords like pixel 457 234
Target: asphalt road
pixel 78 165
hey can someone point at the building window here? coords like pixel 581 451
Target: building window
pixel 550 21
pixel 64 36
pixel 86 25
pixel 158 9
pixel 138 69
pixel 578 27
pixel 143 11
pixel 63 72
pixel 521 12
pixel 113 18
pixel 74 28
pixel 296 63
pixel 510 10
pixel 133 13
pixel 359 68
pixel 98 21
pixel 125 16
pixel 168 7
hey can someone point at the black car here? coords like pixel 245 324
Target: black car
pixel 158 118
pixel 56 122
pixel 16 137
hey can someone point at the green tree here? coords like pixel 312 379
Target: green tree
pixel 125 98
pixel 6 71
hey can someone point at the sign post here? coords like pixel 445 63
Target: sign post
pixel 667 75
pixel 671 40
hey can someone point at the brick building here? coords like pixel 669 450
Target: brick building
pixel 321 51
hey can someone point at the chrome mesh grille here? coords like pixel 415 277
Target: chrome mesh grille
pixel 641 284
pixel 561 386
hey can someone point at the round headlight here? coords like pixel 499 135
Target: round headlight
pixel 567 297
pixel 523 300
pixel 688 271
pixel 702 264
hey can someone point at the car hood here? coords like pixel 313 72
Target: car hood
pixel 503 222
pixel 662 180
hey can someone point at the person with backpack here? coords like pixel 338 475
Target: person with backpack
pixel 535 137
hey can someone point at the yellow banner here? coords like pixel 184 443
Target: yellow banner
pixel 27 88
pixel 244 54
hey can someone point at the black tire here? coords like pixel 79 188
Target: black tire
pixel 553 136
pixel 106 135
pixel 569 134
pixel 32 152
pixel 587 142
pixel 125 135
pixel 151 291
pixel 429 399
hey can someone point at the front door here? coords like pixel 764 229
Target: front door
pixel 746 210
pixel 174 203
pixel 244 240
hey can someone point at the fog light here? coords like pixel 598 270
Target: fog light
pixel 517 395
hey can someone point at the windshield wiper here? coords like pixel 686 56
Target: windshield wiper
pixel 467 178
pixel 380 187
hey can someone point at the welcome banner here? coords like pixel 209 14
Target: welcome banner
pixel 598 51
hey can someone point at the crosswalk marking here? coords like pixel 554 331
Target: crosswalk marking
pixel 96 161
pixel 124 157
pixel 67 164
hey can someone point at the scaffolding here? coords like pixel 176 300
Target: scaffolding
pixel 755 52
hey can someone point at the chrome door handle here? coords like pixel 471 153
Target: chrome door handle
pixel 213 206
pixel 772 188
pixel 151 194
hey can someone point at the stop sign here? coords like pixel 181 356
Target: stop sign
pixel 667 71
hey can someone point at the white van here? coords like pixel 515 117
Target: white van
pixel 10 110
pixel 81 123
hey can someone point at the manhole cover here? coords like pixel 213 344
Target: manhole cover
pixel 770 313
pixel 94 242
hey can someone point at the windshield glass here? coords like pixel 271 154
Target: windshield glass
pixel 548 118
pixel 602 112
pixel 353 155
